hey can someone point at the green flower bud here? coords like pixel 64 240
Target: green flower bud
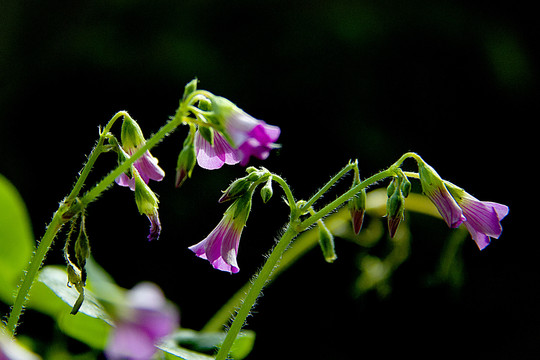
pixel 266 190
pixel 395 207
pixel 326 241
pixel 238 188
pixel 357 208
pixel 186 161
pixel 405 187
pixel 147 203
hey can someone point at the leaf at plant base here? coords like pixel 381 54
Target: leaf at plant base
pixel 16 239
pixel 55 278
pixel 208 342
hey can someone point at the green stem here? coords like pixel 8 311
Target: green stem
pixel 165 130
pixel 254 292
pixel 328 185
pixel 59 220
pixel 287 191
pixel 98 149
pixel 31 273
pixel 343 198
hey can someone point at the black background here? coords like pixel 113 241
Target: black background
pixel 455 81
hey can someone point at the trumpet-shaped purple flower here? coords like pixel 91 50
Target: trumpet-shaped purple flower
pixel 143 320
pixel 213 157
pixel 481 218
pixel 434 188
pixel 220 247
pixel 242 137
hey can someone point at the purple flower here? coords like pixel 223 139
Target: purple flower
pixel 251 136
pixel 482 218
pixel 434 188
pixel 241 137
pixel 456 206
pixel 220 247
pixel 213 157
pixel 148 169
pixel 147 165
pixel 143 320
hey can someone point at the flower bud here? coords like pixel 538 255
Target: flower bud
pixel 266 190
pixel 186 161
pixel 405 187
pixel 357 207
pixel 238 188
pixel 326 241
pixel 147 203
pixel 131 135
pixel 395 206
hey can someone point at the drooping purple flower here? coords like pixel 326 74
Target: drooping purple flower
pixel 144 318
pixel 251 136
pixel 434 188
pixel 148 169
pixel 220 247
pixel 483 218
pixel 242 137
pixel 213 157
pixel 147 165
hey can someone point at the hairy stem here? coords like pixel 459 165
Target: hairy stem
pixel 32 271
pixel 254 292
pixel 61 215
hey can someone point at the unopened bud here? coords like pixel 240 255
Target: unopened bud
pixel 405 187
pixel 238 188
pixel 326 241
pixel 147 203
pixel 266 190
pixel 357 207
pixel 186 161
pixel 395 207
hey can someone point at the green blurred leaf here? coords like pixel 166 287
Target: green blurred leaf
pixel 91 331
pixel 52 296
pixel 16 239
pixel 173 351
pixel 208 342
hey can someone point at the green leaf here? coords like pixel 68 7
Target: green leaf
pixel 52 296
pixel 16 239
pixel 207 342
pixel 55 278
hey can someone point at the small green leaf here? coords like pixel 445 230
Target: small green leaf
pixel 16 239
pixel 55 278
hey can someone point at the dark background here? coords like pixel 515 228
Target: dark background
pixel 455 81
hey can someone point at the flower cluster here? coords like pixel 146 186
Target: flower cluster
pixel 224 134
